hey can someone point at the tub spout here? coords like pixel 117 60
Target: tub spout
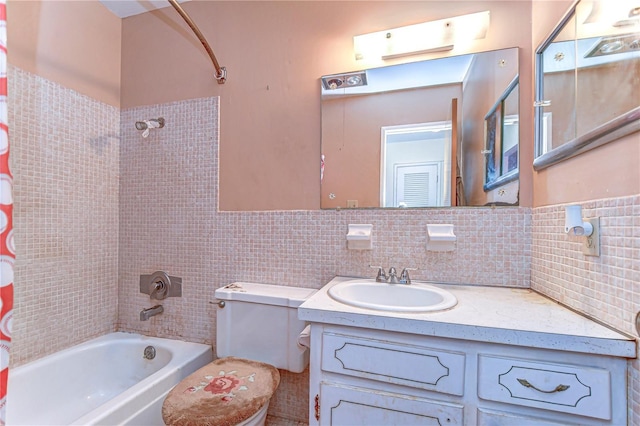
pixel 145 314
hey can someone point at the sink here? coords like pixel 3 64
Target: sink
pixel 415 297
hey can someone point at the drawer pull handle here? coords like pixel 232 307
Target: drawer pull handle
pixel 558 388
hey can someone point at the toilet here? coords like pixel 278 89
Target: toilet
pixel 257 333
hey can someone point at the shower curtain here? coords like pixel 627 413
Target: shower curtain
pixel 7 252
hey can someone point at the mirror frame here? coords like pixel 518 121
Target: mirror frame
pixel 499 123
pixel 610 131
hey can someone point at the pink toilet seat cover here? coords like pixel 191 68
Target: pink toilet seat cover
pixel 224 392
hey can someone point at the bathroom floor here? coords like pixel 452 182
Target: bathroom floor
pixel 279 421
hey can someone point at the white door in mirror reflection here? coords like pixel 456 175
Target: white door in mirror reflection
pixel 417 185
pixel 415 159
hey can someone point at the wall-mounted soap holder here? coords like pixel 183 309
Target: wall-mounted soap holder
pixel 160 285
pixel 440 237
pixel 359 237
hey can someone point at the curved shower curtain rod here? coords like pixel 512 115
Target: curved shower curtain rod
pixel 221 72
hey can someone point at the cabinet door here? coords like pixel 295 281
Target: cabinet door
pixel 393 362
pixel 498 418
pixel 352 406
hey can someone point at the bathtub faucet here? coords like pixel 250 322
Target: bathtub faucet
pixel 145 314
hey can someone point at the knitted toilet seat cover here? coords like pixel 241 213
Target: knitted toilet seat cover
pixel 224 392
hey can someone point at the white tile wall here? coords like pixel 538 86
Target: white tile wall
pixel 607 287
pixel 64 158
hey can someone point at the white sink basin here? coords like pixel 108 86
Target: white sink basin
pixel 415 297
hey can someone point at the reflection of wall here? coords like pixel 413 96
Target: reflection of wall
pixel 487 81
pixel 604 93
pixel 351 137
pixel 417 151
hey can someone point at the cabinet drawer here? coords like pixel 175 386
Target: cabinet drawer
pixel 498 418
pixel 408 365
pixel 346 405
pixel 559 387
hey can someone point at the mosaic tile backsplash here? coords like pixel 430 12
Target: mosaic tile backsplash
pixel 65 161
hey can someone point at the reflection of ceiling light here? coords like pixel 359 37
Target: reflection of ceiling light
pixel 612 47
pixel 559 56
pixel 426 37
pixel 334 83
pixel 337 81
pixel 354 80
pixel 615 44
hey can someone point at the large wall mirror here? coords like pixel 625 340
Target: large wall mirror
pixel 587 84
pixel 416 134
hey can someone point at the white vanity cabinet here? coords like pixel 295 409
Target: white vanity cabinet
pixel 371 377
pixel 501 356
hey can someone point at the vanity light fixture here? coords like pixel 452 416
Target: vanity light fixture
pixel 342 81
pixel 426 37
pixel 574 224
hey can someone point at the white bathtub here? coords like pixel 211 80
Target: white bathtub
pixel 104 381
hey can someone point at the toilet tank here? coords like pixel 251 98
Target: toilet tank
pixel 260 322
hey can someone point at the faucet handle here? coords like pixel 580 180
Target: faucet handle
pixel 404 275
pixel 381 277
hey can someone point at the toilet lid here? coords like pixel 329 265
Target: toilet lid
pixel 224 392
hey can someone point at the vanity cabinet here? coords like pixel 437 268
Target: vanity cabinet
pixel 362 376
pixel 501 356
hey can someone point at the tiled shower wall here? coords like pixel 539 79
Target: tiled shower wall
pixel 169 221
pixel 64 158
pixel 607 287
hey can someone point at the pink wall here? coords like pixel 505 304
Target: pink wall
pixel 275 53
pixel 351 137
pixel 73 43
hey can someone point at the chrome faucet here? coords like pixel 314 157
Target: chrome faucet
pixel 381 277
pixel 393 277
pixel 404 276
pixel 145 314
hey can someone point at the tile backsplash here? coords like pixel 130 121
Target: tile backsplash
pixel 606 288
pixel 65 160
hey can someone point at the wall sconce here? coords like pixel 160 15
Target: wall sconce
pixel 574 224
pixel 433 36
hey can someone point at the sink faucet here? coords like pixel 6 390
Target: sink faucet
pixel 393 277
pixel 145 314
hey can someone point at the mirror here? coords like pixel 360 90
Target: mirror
pixel 502 137
pixel 413 135
pixel 587 82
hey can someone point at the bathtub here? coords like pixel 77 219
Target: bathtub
pixel 104 381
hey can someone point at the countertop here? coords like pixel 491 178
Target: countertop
pixel 510 316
